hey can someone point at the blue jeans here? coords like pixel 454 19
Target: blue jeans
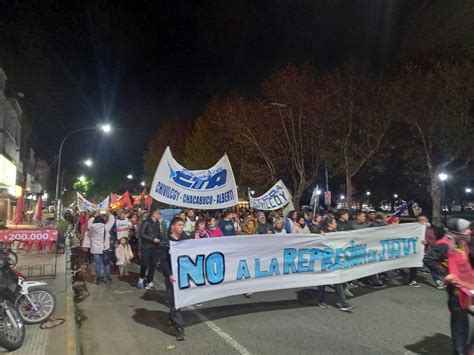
pixel 339 294
pixel 101 259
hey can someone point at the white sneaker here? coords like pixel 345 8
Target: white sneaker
pixel 150 286
pixel 414 284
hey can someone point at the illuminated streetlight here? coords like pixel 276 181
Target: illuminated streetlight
pixel 443 176
pixel 368 193
pixel 106 128
pixel 468 190
pixel 142 183
pixel 82 178
pixel 129 176
pixel 318 192
pixel 88 162
pixel 342 197
pixel 395 196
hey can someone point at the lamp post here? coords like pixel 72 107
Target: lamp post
pixel 106 128
pixel 443 177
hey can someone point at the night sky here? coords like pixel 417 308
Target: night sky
pixel 136 63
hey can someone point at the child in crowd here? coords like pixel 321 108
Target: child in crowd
pixel 124 256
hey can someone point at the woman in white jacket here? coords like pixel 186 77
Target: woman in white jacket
pixel 99 235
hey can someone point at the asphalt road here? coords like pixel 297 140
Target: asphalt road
pixel 120 319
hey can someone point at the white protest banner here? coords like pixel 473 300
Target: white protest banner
pixel 213 188
pixel 275 198
pixel 207 269
pixel 85 205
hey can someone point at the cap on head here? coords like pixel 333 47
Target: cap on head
pixel 260 214
pixel 458 225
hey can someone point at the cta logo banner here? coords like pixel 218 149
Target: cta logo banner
pixel 213 188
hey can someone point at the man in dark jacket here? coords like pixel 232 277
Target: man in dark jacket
pixel 151 234
pixel 436 259
pixel 343 223
pixel 176 234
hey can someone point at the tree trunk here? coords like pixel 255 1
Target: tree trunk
pixel 435 192
pixel 298 191
pixel 348 190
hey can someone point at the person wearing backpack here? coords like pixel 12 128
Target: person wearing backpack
pixel 100 245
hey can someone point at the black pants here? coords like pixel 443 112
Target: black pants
pixel 148 262
pixel 459 325
pixel 175 317
pixel 413 273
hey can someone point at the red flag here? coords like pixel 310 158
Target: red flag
pixel 113 198
pixel 124 201
pixel 39 209
pixel 148 201
pixel 20 205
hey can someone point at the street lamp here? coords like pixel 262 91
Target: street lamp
pixel 106 128
pixel 82 178
pixel 468 190
pixel 318 192
pixel 368 193
pixel 142 183
pixel 88 163
pixel 443 176
pixel 129 176
pixel 395 196
pixel 342 197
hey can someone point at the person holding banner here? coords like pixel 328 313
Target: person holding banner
pixel 330 226
pixel 176 234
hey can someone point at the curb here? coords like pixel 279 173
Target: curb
pixel 72 334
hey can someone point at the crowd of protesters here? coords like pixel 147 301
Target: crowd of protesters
pixel 143 236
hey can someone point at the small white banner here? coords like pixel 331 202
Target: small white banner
pixel 209 189
pixel 274 199
pixel 207 269
pixel 85 205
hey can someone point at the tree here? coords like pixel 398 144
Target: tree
pixel 217 131
pixel 171 132
pixel 286 127
pixel 359 111
pixel 83 185
pixel 438 107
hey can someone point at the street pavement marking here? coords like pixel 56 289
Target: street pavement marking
pixel 231 341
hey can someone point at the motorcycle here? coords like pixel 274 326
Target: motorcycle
pixel 35 303
pixel 12 327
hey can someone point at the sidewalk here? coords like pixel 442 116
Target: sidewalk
pixel 62 339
